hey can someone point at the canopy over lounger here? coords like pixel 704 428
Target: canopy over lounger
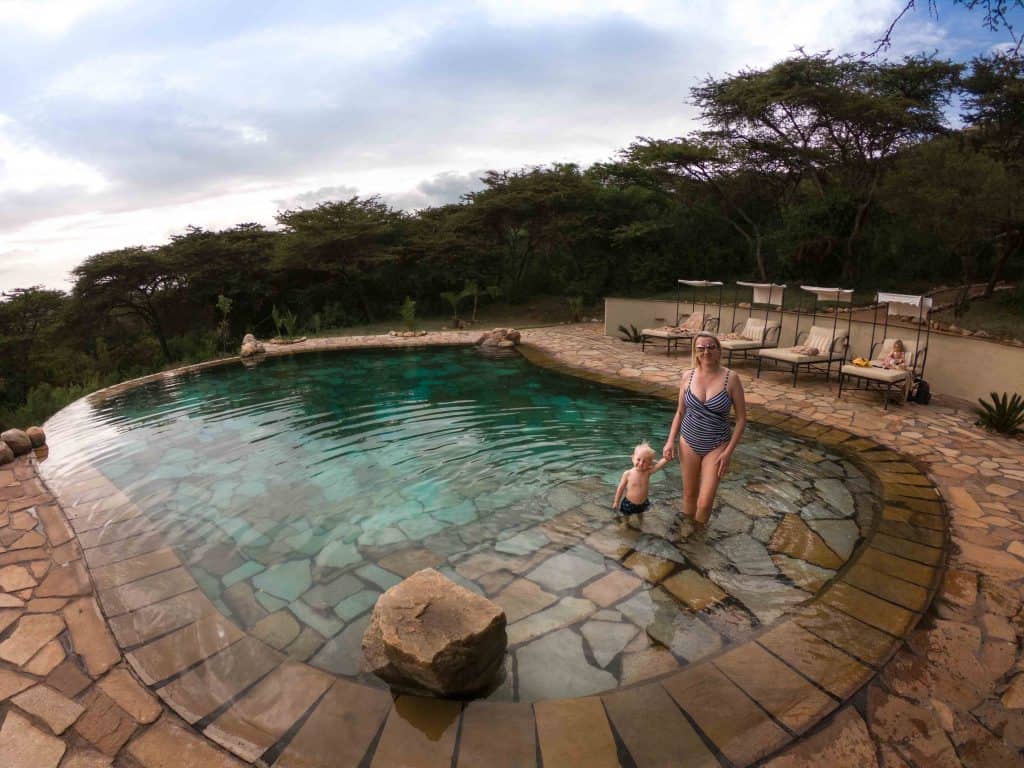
pixel 694 324
pixel 755 333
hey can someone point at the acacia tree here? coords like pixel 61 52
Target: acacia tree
pixel 342 249
pixel 715 163
pixel 993 99
pixel 139 281
pixel 831 123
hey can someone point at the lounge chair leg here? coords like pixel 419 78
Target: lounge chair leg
pixel 759 361
pixel 795 371
pixel 840 395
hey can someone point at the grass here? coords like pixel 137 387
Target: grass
pixel 539 310
pixel 1002 316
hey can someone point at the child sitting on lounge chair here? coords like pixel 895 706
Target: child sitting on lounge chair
pixel 897 358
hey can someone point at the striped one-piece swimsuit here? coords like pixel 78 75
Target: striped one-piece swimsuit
pixel 706 424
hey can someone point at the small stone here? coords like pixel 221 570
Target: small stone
pixel 521 598
pixel 12 683
pixel 90 637
pixel 277 630
pixel 104 724
pixel 53 708
pixel 429 633
pixel 22 745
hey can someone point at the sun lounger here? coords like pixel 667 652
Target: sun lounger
pixel 752 335
pixel 874 375
pixel 819 348
pixel 683 332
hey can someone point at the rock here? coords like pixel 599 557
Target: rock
pixel 6 454
pixel 500 337
pixel 429 634
pixel 18 441
pixel 251 346
pixel 36 435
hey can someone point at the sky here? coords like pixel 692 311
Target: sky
pixel 122 122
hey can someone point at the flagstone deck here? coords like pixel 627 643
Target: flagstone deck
pixel 871 672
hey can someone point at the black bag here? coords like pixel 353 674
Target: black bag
pixel 921 392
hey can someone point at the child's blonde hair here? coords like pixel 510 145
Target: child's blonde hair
pixel 644 450
pixel 899 345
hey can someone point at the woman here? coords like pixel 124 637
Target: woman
pixel 706 439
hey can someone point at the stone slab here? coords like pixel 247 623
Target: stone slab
pixel 179 650
pixel 53 708
pixel 167 745
pixel 654 730
pixel 90 637
pixel 204 689
pixel 341 728
pixel 146 591
pixel 817 660
pixel 730 719
pixel 22 745
pixel 134 568
pixel 124 689
pixel 32 632
pixel 777 689
pixel 256 721
pixel 419 733
pixel 498 735
pixel 575 732
pixel 153 621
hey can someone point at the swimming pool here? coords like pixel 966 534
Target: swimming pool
pixel 297 491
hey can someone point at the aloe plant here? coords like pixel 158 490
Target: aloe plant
pixel 1004 414
pixel 630 334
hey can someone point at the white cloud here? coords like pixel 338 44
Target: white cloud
pixel 25 168
pixel 51 18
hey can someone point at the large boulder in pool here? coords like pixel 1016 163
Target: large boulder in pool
pixel 251 346
pixel 430 635
pixel 18 441
pixel 36 436
pixel 500 337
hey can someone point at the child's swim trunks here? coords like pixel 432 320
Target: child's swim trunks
pixel 627 507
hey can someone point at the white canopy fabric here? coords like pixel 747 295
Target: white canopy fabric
pixel 701 283
pixel 765 293
pixel 906 304
pixel 844 295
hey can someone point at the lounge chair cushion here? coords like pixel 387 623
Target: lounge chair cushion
pixel 884 375
pixel 790 355
pixel 755 330
pixel 821 339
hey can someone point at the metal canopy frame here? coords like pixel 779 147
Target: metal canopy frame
pixel 896 301
pixel 701 284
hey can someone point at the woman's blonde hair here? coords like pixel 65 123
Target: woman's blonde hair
pixel 698 337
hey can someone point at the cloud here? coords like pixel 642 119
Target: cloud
pixel 136 111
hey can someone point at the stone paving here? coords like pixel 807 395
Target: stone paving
pixel 835 683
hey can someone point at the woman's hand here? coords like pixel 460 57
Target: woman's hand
pixel 723 463
pixel 669 451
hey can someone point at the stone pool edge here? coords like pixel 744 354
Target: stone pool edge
pixel 778 699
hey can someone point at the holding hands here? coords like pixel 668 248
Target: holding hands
pixel 669 451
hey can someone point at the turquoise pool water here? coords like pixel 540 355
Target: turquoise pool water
pixel 302 488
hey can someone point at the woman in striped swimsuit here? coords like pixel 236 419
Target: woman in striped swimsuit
pixel 706 439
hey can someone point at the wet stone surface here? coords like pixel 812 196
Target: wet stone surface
pixel 311 554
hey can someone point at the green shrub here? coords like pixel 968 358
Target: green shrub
pixel 284 321
pixel 408 312
pixel 1003 414
pixel 43 401
pixel 630 334
pixel 576 308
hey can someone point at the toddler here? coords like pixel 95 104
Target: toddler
pixel 631 495
pixel 897 358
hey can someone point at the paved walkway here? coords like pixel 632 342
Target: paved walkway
pixel 836 684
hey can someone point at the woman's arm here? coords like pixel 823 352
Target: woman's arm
pixel 669 451
pixel 739 402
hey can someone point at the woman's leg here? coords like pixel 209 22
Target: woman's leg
pixel 690 463
pixel 708 484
